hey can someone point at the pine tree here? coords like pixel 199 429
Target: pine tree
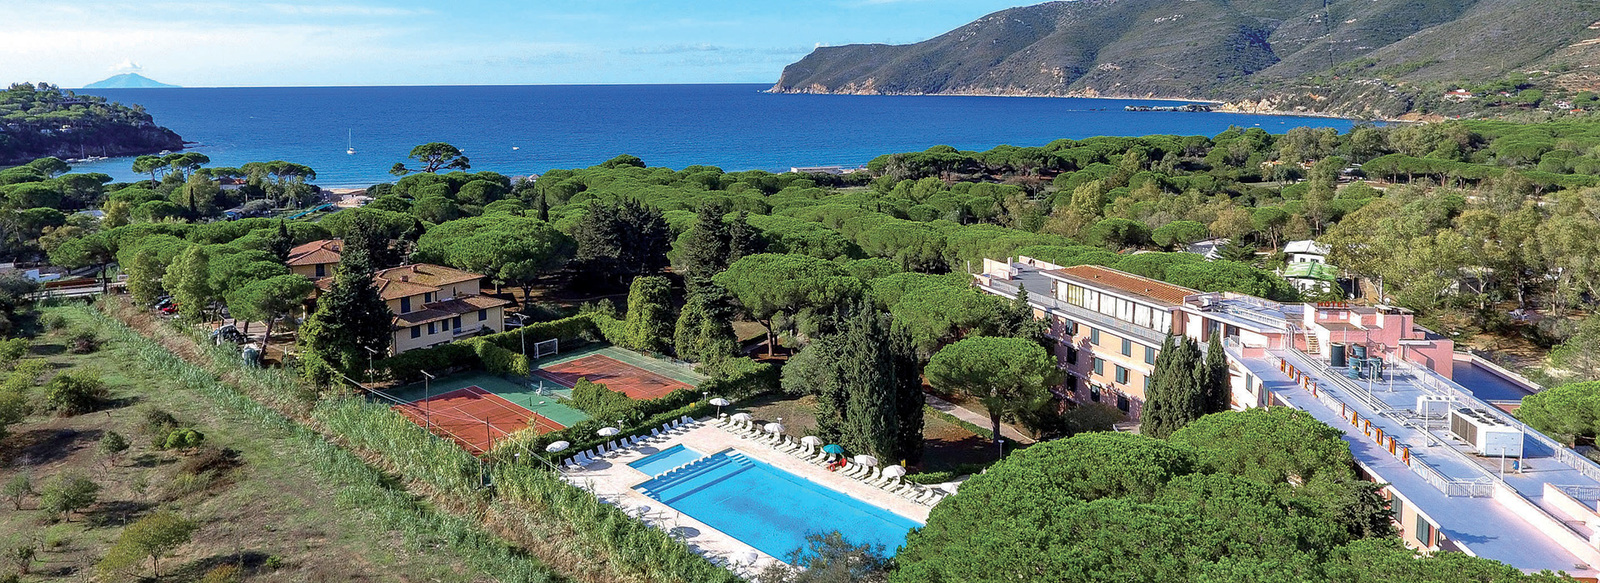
pixel 144 277
pixel 1218 388
pixel 620 240
pixel 649 318
pixel 1176 396
pixel 1018 321
pixel 705 251
pixel 743 239
pixel 350 318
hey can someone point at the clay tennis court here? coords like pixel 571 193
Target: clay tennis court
pixel 474 418
pixel 616 375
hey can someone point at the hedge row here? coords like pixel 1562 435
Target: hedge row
pixel 740 378
pixel 499 353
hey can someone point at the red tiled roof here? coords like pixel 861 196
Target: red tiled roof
pixel 316 252
pixel 1107 278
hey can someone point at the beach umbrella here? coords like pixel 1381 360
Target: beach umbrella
pixel 894 471
pixel 608 431
pixel 833 448
pixel 720 403
pixel 557 446
pixel 867 460
pixel 774 428
pixel 811 441
pixel 740 417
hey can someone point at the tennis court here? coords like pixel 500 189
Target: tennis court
pixel 529 396
pixel 473 417
pixel 635 375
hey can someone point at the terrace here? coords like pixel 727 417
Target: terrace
pixel 1534 512
pixel 1039 286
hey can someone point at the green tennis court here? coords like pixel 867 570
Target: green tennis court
pixel 548 406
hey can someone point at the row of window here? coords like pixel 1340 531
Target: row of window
pixel 1127 348
pixel 1121 372
pixel 1123 404
pixel 1128 311
pixel 455 324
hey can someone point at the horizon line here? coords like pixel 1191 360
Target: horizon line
pixel 418 85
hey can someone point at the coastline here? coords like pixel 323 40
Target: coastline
pixel 1218 106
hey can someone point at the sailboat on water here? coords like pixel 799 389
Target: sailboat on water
pixel 350 136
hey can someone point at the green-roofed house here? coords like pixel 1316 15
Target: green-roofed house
pixel 1308 268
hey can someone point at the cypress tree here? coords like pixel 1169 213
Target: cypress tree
pixel 743 240
pixel 703 332
pixel 649 318
pixel 281 243
pixel 705 251
pixel 366 240
pixel 871 396
pixel 1218 388
pixel 1176 395
pixel 350 318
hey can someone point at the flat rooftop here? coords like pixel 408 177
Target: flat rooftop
pixel 1445 480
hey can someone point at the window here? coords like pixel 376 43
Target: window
pixel 1094 336
pixel 1147 385
pixel 427 297
pixel 483 315
pixel 1142 315
pixel 1424 531
pixel 405 305
pixel 431 328
pixel 1149 355
pixel 1122 375
pixel 1099 366
pixel 1122 403
pixel 1397 507
pixel 1072 355
pixel 1075 296
pixel 1127 347
pixel 416 331
pixel 322 270
pixel 455 323
pixel 1094 393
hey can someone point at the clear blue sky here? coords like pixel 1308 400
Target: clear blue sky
pixel 411 42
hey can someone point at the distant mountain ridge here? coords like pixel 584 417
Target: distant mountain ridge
pixel 128 81
pixel 1346 58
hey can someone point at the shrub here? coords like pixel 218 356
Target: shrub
pixel 111 444
pixel 17 489
pixel 75 393
pixel 499 360
pixel 151 537
pixel 83 342
pixel 183 438
pixel 600 402
pixel 53 321
pixel 13 350
pixel 222 574
pixel 68 493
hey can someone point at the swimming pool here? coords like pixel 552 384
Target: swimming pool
pixel 665 459
pixel 771 509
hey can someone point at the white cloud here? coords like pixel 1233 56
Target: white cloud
pixel 126 66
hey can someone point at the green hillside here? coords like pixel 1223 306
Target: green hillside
pixel 1371 57
pixel 44 120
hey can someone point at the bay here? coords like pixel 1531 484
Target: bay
pixel 522 130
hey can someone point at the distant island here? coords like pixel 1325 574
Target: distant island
pixel 44 120
pixel 1352 58
pixel 128 81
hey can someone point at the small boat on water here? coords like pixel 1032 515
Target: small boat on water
pixel 350 137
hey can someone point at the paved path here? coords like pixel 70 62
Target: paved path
pixel 974 418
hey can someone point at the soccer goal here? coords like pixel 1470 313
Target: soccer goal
pixel 545 348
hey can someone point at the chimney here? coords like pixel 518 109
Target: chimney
pixel 404 278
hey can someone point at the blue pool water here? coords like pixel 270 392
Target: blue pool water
pixel 666 459
pixel 771 509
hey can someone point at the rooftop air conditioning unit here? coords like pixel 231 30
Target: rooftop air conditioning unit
pixel 1487 435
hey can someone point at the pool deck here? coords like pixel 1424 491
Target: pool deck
pixel 613 480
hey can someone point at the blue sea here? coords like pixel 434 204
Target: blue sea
pixel 522 130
